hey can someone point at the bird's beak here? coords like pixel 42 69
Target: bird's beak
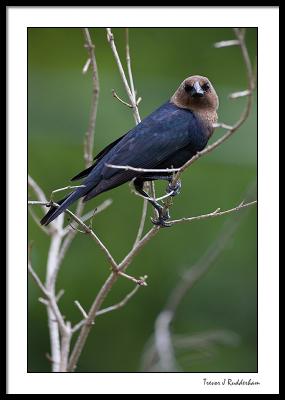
pixel 197 91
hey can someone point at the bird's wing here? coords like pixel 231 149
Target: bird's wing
pixel 97 158
pixel 152 141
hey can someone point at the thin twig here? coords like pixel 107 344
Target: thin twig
pixel 86 66
pixel 139 282
pixel 222 125
pixel 121 100
pixel 169 194
pixel 128 59
pixel 37 280
pixel 63 189
pixel 88 150
pixel 243 93
pixel 59 295
pixel 122 303
pixel 86 229
pixel 111 41
pixel 90 214
pixel 81 309
pixel 226 43
pixel 142 222
pixel 142 170
pixel 37 190
pixel 216 213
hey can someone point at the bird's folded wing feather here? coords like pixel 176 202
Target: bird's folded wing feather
pixel 154 140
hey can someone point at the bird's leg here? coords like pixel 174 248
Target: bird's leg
pixel 163 215
pixel 173 189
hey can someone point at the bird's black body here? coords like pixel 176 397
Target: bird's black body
pixel 167 138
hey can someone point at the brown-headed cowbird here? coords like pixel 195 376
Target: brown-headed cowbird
pixel 167 138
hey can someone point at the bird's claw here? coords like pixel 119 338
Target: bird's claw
pixel 161 222
pixel 174 190
pixel 162 219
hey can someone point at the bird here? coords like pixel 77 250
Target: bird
pixel 167 138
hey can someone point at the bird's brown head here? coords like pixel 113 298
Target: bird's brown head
pixel 196 93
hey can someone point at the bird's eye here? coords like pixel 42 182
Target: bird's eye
pixel 188 87
pixel 206 87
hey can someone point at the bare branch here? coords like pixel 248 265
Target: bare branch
pixel 55 319
pixel 139 282
pixel 240 94
pixel 128 58
pixel 155 198
pixel 106 310
pixel 88 150
pixel 226 43
pixel 222 125
pixel 98 210
pixel 71 232
pixel 216 213
pixel 163 342
pixel 65 347
pixel 37 190
pixel 79 345
pixel 142 222
pixel 63 189
pixel 39 203
pixel 84 332
pixel 129 257
pixel 37 280
pixel 55 316
pixel 132 98
pixel 90 214
pixel 142 170
pixel 90 232
pixel 86 66
pixel 122 303
pixel 81 309
pixel 59 295
pixel 86 229
pixel 121 100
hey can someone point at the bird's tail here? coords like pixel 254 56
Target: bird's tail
pixel 63 204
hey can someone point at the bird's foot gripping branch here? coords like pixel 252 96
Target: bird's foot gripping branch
pixel 174 189
pixel 163 217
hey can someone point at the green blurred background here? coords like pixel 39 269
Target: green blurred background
pixel 59 104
